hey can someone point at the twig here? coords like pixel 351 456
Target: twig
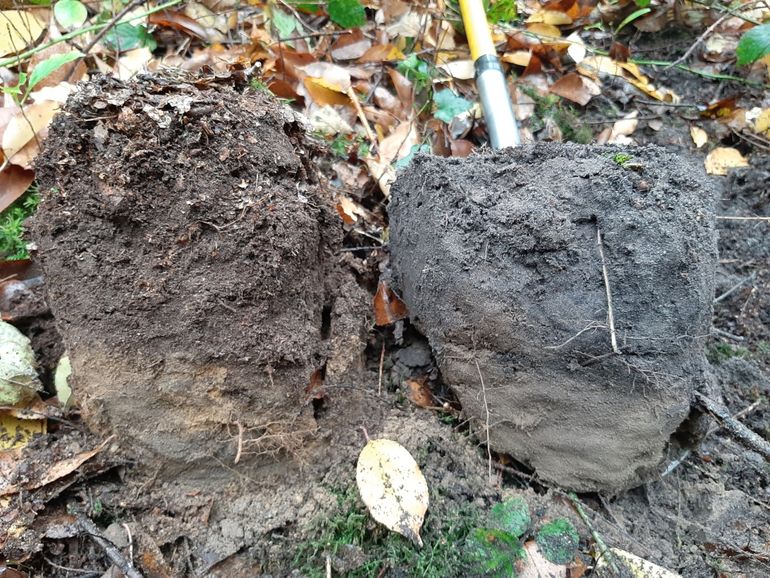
pixel 726 335
pixel 110 24
pixel 79 32
pixel 604 551
pixel 486 428
pixel 735 218
pixel 382 362
pixel 109 548
pixel 700 39
pixel 89 573
pixel 735 428
pixel 610 314
pixel 734 288
pixel 238 453
pixel 362 117
pixel 130 543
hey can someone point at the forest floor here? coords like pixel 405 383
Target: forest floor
pixel 375 95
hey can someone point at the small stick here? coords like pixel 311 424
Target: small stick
pixel 240 442
pixel 109 548
pixel 735 428
pixel 382 362
pixel 362 117
pixel 486 428
pixel 725 334
pixel 736 218
pixel 130 543
pixel 610 314
pixel 604 551
pixel 734 288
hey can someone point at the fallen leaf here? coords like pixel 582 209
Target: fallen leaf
pixel 349 210
pixel 17 432
pixel 638 567
pixel 419 393
pixel 61 381
pixel 131 62
pixel 315 387
pixel 459 69
pixel 19 382
pixel 721 108
pixel 553 17
pixel 382 53
pixel 324 93
pixel 388 307
pixel 14 181
pixel 18 29
pixel 392 487
pixel 576 88
pixel 517 57
pixel 721 159
pixel 23 127
pixel 699 136
pixel 535 565
pixel 593 65
pixel 56 471
pixel 351 46
pixel 762 122
pixel 179 21
pixel 577 48
pixel 624 127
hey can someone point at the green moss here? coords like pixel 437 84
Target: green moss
pixel 494 552
pixel 552 107
pixel 558 541
pixel 511 516
pixel 721 352
pixel 621 158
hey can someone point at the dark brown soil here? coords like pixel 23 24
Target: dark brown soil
pixel 192 267
pixel 498 261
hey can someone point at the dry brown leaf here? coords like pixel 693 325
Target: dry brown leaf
pixel 535 565
pixel 18 29
pixel 14 181
pixel 179 21
pixel 349 210
pixel 382 53
pixel 56 471
pixel 592 66
pixel 132 62
pixel 419 393
pixel 623 128
pixel 325 93
pixel 576 88
pixel 460 69
pixel 388 307
pixel 351 46
pixel 722 159
pixel 517 57
pixel 23 128
pixel 699 136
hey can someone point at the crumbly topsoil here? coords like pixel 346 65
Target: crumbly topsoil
pixel 498 261
pixel 191 260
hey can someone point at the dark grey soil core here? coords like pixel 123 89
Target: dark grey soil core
pixel 499 263
pixel 192 267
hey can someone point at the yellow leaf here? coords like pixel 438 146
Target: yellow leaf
pixel 553 17
pixel 699 136
pixel 543 30
pixel 762 122
pixel 18 29
pixel 16 432
pixel 22 128
pixel 721 159
pixel 637 567
pixel 392 487
pixel 325 93
pixel 518 57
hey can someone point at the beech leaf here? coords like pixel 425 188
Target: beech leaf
pixel 392 487
pixel 754 44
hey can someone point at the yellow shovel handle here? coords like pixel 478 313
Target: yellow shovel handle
pixel 476 28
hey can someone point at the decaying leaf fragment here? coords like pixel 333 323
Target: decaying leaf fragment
pixel 392 487
pixel 19 382
pixel 636 566
pixel 388 307
pixel 699 136
pixel 722 159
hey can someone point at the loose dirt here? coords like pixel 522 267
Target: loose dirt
pixel 193 267
pixel 499 264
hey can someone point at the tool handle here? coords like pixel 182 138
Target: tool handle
pixel 490 79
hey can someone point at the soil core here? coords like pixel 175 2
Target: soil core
pixel 567 292
pixel 193 267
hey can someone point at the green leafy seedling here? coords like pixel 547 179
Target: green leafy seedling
pixel 558 541
pixel 511 516
pixel 126 36
pixel 70 13
pixel 635 15
pixel 416 70
pixel 621 158
pixel 754 44
pixel 493 552
pixel 449 105
pixel 502 11
pixel 347 13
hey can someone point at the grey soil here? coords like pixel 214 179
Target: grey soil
pixel 499 265
pixel 193 269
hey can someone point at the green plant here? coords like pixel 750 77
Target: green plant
pixel 550 107
pixel 621 158
pixel 12 244
pixel 721 352
pixel 754 44
pixel 351 525
pixel 416 70
pixel 558 540
pixel 347 13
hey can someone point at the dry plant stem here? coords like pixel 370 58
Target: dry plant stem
pixel 735 218
pixel 605 274
pixel 112 22
pixel 735 428
pixel 109 548
pixel 362 117
pixel 604 551
pixel 240 443
pixel 382 363
pixel 735 287
pixel 486 424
